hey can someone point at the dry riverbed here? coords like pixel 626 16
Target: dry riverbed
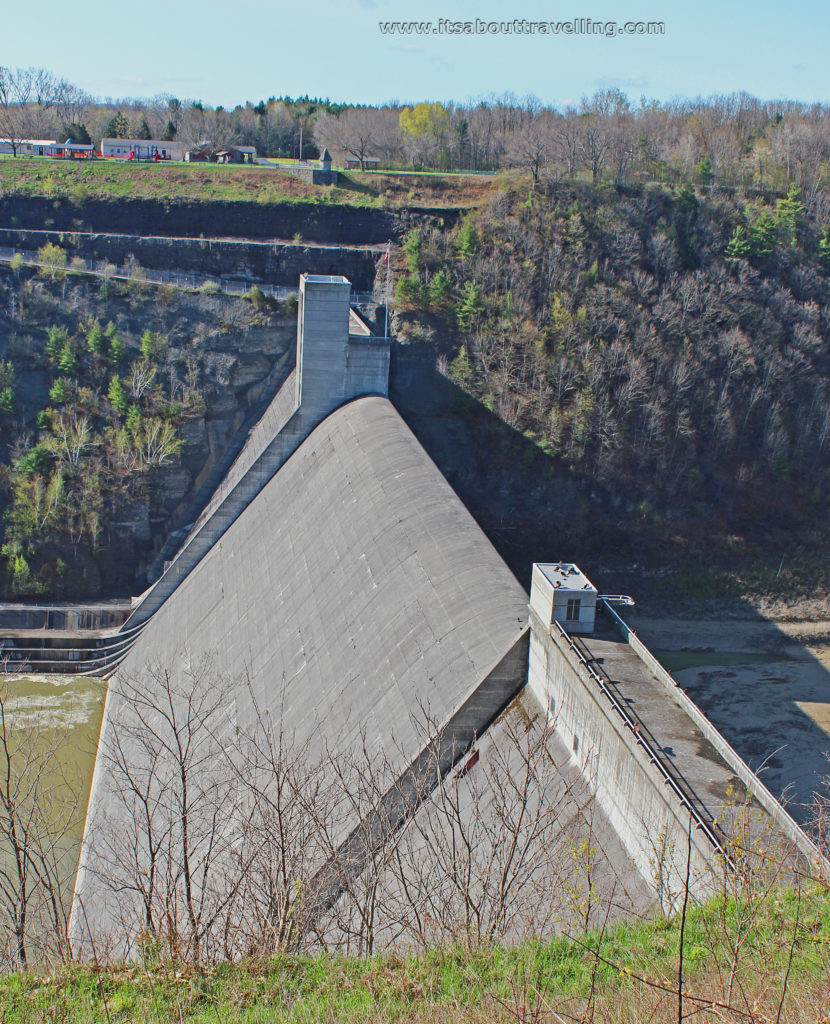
pixel 764 680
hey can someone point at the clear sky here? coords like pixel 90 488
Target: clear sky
pixel 237 50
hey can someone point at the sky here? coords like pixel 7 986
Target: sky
pixel 238 50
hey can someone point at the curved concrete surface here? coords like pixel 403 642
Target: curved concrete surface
pixel 356 593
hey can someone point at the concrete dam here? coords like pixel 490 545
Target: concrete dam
pixel 338 656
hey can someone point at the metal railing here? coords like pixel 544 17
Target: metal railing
pixel 755 787
pixel 671 777
pixel 177 279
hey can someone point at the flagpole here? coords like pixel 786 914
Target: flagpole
pixel 386 305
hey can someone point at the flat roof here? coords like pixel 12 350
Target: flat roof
pixel 565 576
pixel 326 279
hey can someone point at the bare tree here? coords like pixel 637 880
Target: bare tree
pixel 356 132
pixel 38 815
pixel 27 96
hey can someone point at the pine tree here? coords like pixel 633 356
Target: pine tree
pixel 67 360
pixel 116 350
pixel 788 212
pixel 470 305
pixel 95 339
pixel 738 247
pixel 467 242
pixel 118 127
pixel 117 395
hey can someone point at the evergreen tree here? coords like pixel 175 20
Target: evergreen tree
pixel 77 133
pixel 461 369
pixel 413 247
pixel 738 247
pixel 142 129
pixel 789 211
pixel 763 236
pixel 116 349
pixel 117 395
pixel 118 127
pixel 133 423
pixel 67 360
pixel 470 305
pixel 467 242
pixel 95 339
pixel 703 171
pixel 55 337
pixel 60 392
pixel 440 288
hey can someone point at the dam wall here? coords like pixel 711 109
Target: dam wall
pixel 333 367
pixel 650 819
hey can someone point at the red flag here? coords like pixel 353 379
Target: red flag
pixel 386 254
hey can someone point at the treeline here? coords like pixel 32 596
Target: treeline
pixel 735 140
pixel 669 346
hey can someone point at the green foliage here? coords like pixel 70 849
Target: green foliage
pixel 788 212
pixel 95 339
pixel 116 350
pixel 461 369
pixel 36 460
pixel 738 247
pixel 592 275
pixel 61 391
pixel 686 201
pixel 77 133
pixel 467 242
pixel 16 262
pixel 413 247
pixel 67 360
pixel 142 130
pixel 7 405
pixel 469 305
pixel 824 246
pixel 440 288
pixel 7 375
pixel 21 576
pixel 117 396
pixel 169 132
pixel 763 236
pixel 44 420
pixel 118 127
pixel 429 120
pixel 133 422
pixel 703 171
pixel 408 290
pixel 290 304
pixel 55 339
pixel 53 260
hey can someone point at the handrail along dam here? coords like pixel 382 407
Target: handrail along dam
pixel 335 583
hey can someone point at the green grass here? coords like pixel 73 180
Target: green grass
pixel 103 179
pixel 493 982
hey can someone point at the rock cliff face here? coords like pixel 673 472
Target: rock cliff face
pixel 274 263
pixel 331 224
pixel 219 361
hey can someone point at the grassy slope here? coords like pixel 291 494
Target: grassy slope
pixel 106 179
pixel 629 975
